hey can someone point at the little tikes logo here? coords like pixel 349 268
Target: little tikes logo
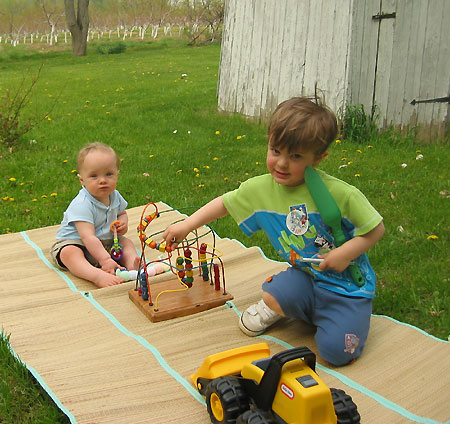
pixel 287 391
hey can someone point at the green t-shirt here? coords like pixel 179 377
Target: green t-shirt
pixel 291 221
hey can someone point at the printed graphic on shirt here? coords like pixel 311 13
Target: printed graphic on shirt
pixel 297 220
pixel 321 242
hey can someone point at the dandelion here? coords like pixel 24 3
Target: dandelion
pixel 217 132
pixel 338 141
pixel 65 161
pixel 12 179
pixel 201 185
pixel 349 162
pixel 357 175
pixel 11 199
pixel 206 166
pixel 215 158
pixel 239 137
pixel 344 159
pixel 432 237
pixel 73 171
pixel 44 196
pixel 359 150
pixel 22 184
pixel 34 200
pixel 258 163
pixel 5 198
pixel 370 147
pixel 179 171
pixel 108 113
pixel 197 175
pixel 196 170
pixel 151 156
pixel 225 179
pixel 53 194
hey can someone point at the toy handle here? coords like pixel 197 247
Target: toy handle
pixel 356 274
pixel 113 227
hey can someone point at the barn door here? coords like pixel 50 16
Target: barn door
pixel 385 19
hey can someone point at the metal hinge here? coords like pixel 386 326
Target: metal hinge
pixel 436 100
pixel 383 15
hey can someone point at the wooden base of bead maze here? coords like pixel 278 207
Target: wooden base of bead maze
pixel 200 297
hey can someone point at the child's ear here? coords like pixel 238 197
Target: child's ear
pixel 319 158
pixel 80 178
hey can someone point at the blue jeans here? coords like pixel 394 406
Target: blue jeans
pixel 342 322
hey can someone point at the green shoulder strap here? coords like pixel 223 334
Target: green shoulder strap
pixel 331 214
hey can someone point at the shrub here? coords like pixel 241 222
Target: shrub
pixel 112 47
pixel 12 105
pixel 357 125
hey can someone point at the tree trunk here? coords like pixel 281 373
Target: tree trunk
pixel 78 24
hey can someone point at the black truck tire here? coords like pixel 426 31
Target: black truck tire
pixel 225 400
pixel 255 416
pixel 344 407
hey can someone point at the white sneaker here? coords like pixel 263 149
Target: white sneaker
pixel 257 318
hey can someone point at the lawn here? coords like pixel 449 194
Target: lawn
pixel 155 104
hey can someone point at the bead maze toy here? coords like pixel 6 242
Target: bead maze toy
pixel 198 277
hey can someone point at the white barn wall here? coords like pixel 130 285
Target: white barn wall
pixel 273 50
pixel 282 49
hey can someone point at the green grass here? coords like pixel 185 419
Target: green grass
pixel 22 400
pixel 178 149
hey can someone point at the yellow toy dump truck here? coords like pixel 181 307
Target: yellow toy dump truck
pixel 248 386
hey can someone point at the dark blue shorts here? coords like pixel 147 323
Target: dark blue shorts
pixel 342 322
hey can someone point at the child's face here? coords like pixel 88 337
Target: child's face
pixel 99 174
pixel 288 168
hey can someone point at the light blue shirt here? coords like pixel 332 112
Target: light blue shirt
pixel 85 207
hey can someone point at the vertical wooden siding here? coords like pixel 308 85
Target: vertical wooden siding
pixel 273 50
pixel 395 61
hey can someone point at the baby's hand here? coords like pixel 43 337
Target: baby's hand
pixel 122 228
pixel 110 265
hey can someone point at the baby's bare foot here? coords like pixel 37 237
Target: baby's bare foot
pixel 103 279
pixel 136 263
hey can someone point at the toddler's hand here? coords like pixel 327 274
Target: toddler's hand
pixel 335 259
pixel 176 233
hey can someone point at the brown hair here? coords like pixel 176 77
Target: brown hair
pixel 92 147
pixel 303 122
